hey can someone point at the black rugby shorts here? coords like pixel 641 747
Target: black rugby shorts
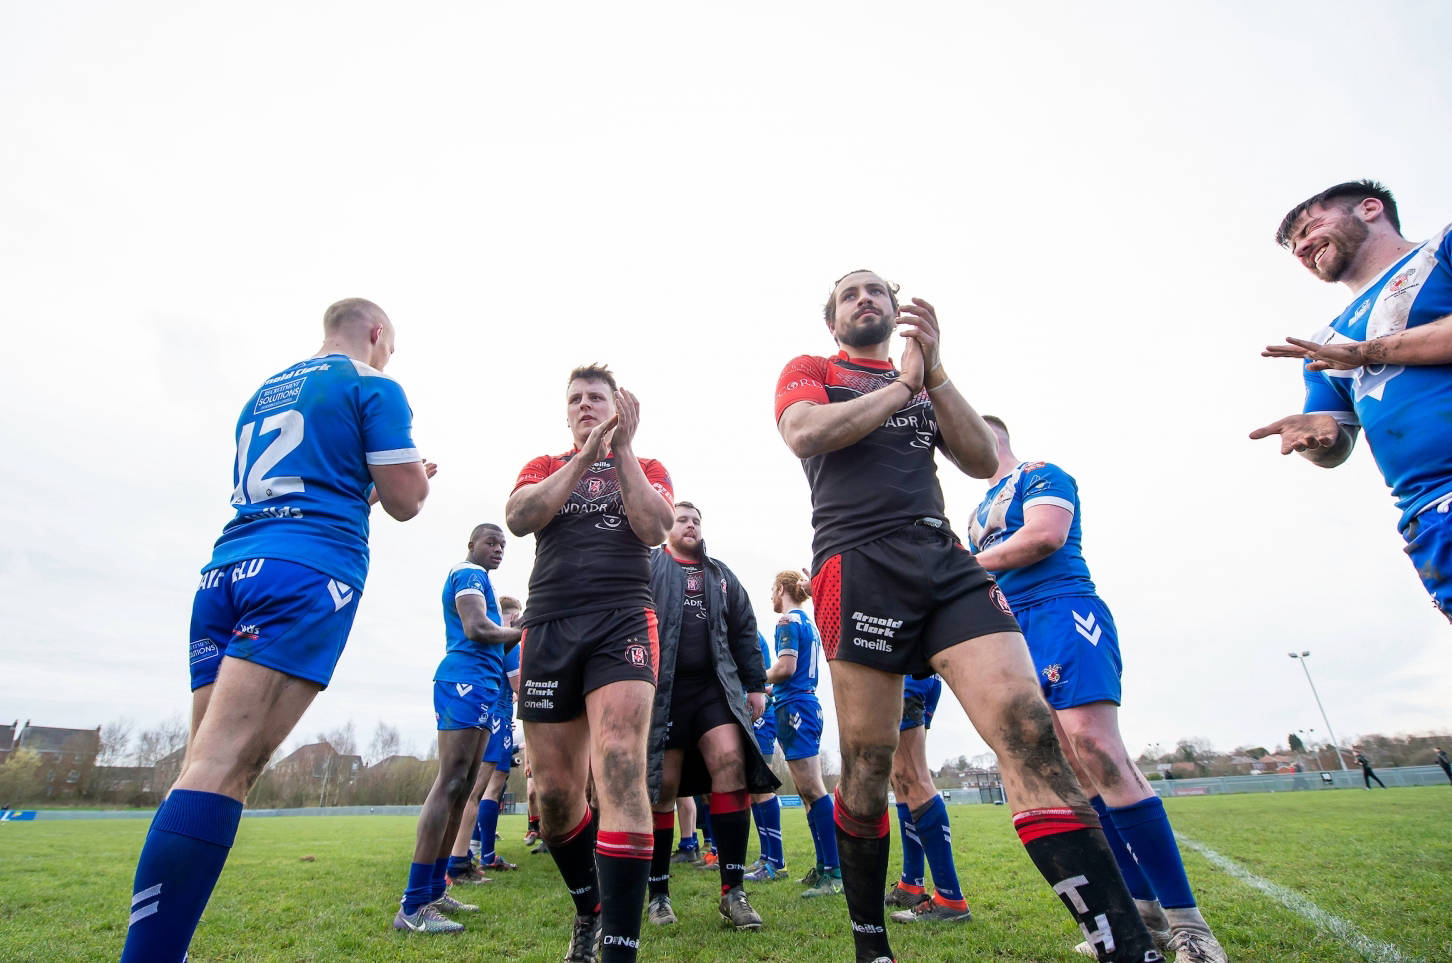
pixel 698 705
pixel 895 602
pixel 562 660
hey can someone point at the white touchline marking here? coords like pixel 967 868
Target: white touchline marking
pixel 1345 931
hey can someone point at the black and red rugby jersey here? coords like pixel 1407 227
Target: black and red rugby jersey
pixel 588 558
pixel 693 647
pixel 879 484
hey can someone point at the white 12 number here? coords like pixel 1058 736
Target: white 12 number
pixel 251 486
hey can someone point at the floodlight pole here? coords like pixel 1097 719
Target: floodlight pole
pixel 1335 743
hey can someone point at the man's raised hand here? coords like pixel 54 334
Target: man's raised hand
pixel 1341 356
pixel 1302 432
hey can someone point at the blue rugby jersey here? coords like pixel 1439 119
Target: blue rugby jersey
pixel 1406 411
pixel 1001 513
pixel 305 440
pixel 476 663
pixel 796 633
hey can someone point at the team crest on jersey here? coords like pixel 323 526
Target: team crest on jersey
pixel 635 654
pixel 694 581
pixel 999 599
pixel 1402 283
pixel 593 487
pixel 1053 672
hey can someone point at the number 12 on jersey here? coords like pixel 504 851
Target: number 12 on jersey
pixel 252 485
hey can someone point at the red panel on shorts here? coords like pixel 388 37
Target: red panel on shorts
pixel 652 629
pixel 827 604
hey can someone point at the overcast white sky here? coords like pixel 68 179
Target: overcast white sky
pixel 1086 192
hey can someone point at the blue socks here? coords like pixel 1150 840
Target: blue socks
pixel 913 866
pixel 437 880
pixel 768 827
pixel 936 838
pixel 184 853
pixel 1145 829
pixel 488 824
pixel 1134 880
pixel 420 889
pixel 824 832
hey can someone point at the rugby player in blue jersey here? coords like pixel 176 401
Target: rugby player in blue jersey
pixel 793 678
pixel 1026 532
pixel 277 598
pixel 765 806
pixel 498 756
pixel 712 688
pixel 466 684
pixel 896 595
pixel 922 817
pixel 590 651
pixel 493 774
pixel 1383 365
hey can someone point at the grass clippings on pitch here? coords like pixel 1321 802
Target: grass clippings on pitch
pixel 1377 862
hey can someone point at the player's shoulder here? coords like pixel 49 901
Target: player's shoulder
pixel 364 370
pixel 465 570
pixel 804 369
pixel 1043 469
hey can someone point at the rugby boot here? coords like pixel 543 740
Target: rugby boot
pixel 930 910
pixel 766 873
pixel 904 898
pixel 692 855
pixel 499 865
pixel 472 876
pixel 426 919
pixel 829 883
pixel 585 940
pixel 737 911
pixel 659 912
pixel 447 904
pixel 1191 940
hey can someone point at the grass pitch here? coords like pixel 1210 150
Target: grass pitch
pixel 1375 866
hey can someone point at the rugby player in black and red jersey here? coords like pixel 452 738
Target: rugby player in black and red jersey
pixel 589 655
pixel 897 594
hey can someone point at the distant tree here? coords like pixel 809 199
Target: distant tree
pixel 831 771
pixel 167 737
pixel 115 742
pixel 343 739
pixel 1295 743
pixel 21 779
pixel 386 742
pixel 984 760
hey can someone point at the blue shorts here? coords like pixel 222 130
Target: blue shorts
pixel 919 702
pixel 799 729
pixel 500 750
pixel 462 705
pixel 1429 544
pixel 764 729
pixel 273 613
pixel 1075 649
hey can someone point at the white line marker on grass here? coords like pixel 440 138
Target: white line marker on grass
pixel 1343 930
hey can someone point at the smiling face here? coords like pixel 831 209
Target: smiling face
pixel 1327 238
pixel 864 310
pixel 588 402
